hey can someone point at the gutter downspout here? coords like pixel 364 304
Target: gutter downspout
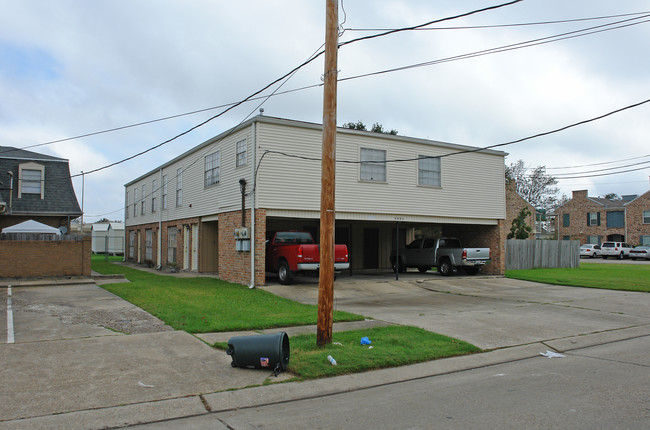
pixel 160 210
pixel 253 198
pixel 126 208
pixel 11 191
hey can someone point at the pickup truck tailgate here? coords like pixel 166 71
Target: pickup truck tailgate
pixel 473 254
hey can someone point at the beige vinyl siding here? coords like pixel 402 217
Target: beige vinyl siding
pixel 198 200
pixel 472 183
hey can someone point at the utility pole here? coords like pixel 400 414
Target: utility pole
pixel 328 174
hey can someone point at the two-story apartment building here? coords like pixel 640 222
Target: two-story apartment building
pixel 188 211
pixel 596 220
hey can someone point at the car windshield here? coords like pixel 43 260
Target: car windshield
pixel 608 245
pixel 297 237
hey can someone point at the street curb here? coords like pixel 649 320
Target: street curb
pixel 594 339
pixel 45 282
pixel 113 417
pixel 280 393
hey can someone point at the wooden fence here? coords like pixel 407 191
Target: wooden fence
pixel 532 254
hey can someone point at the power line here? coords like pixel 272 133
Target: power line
pixel 252 97
pixel 511 47
pixel 474 27
pixel 597 164
pixel 467 151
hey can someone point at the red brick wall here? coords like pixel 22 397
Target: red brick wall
pixel 483 236
pixel 578 208
pixel 514 204
pixel 634 217
pixel 45 258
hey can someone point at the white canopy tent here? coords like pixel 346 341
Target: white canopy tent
pixel 32 227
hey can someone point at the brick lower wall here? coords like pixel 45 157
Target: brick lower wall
pixel 45 258
pixel 484 236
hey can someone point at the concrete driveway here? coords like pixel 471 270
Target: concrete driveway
pixel 80 348
pixel 489 312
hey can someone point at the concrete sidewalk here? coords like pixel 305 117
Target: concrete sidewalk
pixel 116 380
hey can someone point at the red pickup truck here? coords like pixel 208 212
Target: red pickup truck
pixel 291 252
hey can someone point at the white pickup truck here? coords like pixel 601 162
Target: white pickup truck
pixel 445 253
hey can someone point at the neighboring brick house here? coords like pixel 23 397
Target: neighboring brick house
pixel 36 187
pixel 514 205
pixel 596 220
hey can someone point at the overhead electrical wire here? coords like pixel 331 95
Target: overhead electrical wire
pixel 526 24
pixel 484 148
pixel 256 93
pixel 598 164
pixel 448 59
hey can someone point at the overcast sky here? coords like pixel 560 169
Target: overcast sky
pixel 72 67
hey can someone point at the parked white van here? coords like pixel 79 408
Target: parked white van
pixel 619 250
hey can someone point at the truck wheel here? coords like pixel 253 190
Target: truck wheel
pixel 284 273
pixel 621 255
pixel 423 269
pixel 444 267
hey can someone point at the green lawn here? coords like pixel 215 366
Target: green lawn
pixel 199 305
pixel 391 346
pixel 202 305
pixel 628 277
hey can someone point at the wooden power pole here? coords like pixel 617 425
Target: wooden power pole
pixel 328 174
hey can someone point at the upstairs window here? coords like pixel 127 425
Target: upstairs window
pixel 593 218
pixel 154 196
pixel 144 199
pixel 566 220
pixel 373 165
pixel 30 179
pixel 135 202
pixel 164 192
pixel 646 217
pixel 429 171
pixel 126 204
pixel 241 153
pixel 212 167
pixel 616 219
pixel 179 187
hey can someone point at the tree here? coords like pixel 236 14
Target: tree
pixel 533 184
pixel 376 127
pixel 612 196
pixel 519 228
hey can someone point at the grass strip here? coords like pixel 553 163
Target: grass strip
pixel 204 305
pixel 626 277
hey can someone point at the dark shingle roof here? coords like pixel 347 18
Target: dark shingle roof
pixel 59 196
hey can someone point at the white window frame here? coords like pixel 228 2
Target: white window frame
pixel 164 192
pixel 148 245
pixel 429 171
pixel 645 239
pixel 171 244
pixel 593 218
pixel 372 166
pixel 242 148
pixel 179 187
pixel 144 200
pixel 154 196
pixel 211 170
pixel 646 217
pixel 31 187
pixel 135 202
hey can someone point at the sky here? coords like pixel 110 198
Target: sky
pixel 71 67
